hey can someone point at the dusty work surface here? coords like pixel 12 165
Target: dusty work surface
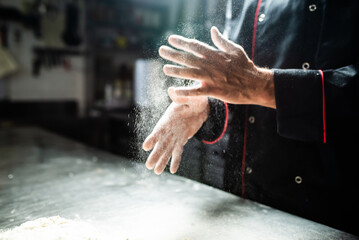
pixel 43 175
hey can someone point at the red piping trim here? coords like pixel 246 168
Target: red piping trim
pixel 255 28
pixel 224 128
pixel 246 112
pixel 323 93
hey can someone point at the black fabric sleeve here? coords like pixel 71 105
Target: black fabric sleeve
pixel 298 96
pixel 213 127
pixel 301 113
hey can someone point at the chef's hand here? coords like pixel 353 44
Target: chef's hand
pixel 182 119
pixel 225 73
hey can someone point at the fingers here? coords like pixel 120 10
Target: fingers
pixel 221 42
pixel 150 141
pixel 148 144
pixel 191 45
pixel 162 161
pixel 197 90
pixel 176 159
pixel 154 156
pixel 184 72
pixel 182 58
pixel 177 99
pixel 161 155
pixel 158 159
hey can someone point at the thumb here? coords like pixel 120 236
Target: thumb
pixel 187 92
pixel 221 42
pixel 177 98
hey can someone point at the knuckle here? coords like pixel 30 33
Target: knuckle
pixel 192 42
pixel 225 56
pixel 222 54
pixel 161 131
pixel 240 48
pixel 187 44
pixel 199 91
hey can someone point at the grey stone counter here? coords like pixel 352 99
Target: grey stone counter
pixel 43 175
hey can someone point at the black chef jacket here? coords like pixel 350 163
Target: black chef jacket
pixel 302 157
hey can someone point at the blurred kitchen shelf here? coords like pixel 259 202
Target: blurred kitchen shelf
pixel 136 52
pixel 120 104
pixel 60 51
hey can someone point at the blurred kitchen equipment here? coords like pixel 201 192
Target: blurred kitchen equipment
pixel 71 34
pixel 31 20
pixel 8 64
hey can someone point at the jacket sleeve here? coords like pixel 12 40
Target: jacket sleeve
pixel 214 127
pixel 312 104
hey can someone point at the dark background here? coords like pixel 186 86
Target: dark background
pixel 75 69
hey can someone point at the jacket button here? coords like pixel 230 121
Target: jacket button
pixel 249 170
pixel 312 7
pixel 261 17
pixel 305 66
pixel 298 179
pixel 251 119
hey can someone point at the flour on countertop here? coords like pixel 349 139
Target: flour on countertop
pixel 54 228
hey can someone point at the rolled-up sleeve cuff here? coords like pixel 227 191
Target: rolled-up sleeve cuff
pixel 299 102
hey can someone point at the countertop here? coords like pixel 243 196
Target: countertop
pixel 43 175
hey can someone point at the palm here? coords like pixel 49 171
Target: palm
pixel 182 119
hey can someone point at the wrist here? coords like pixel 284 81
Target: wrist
pixel 266 97
pixel 205 113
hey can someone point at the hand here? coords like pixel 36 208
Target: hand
pixel 225 73
pixel 182 119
